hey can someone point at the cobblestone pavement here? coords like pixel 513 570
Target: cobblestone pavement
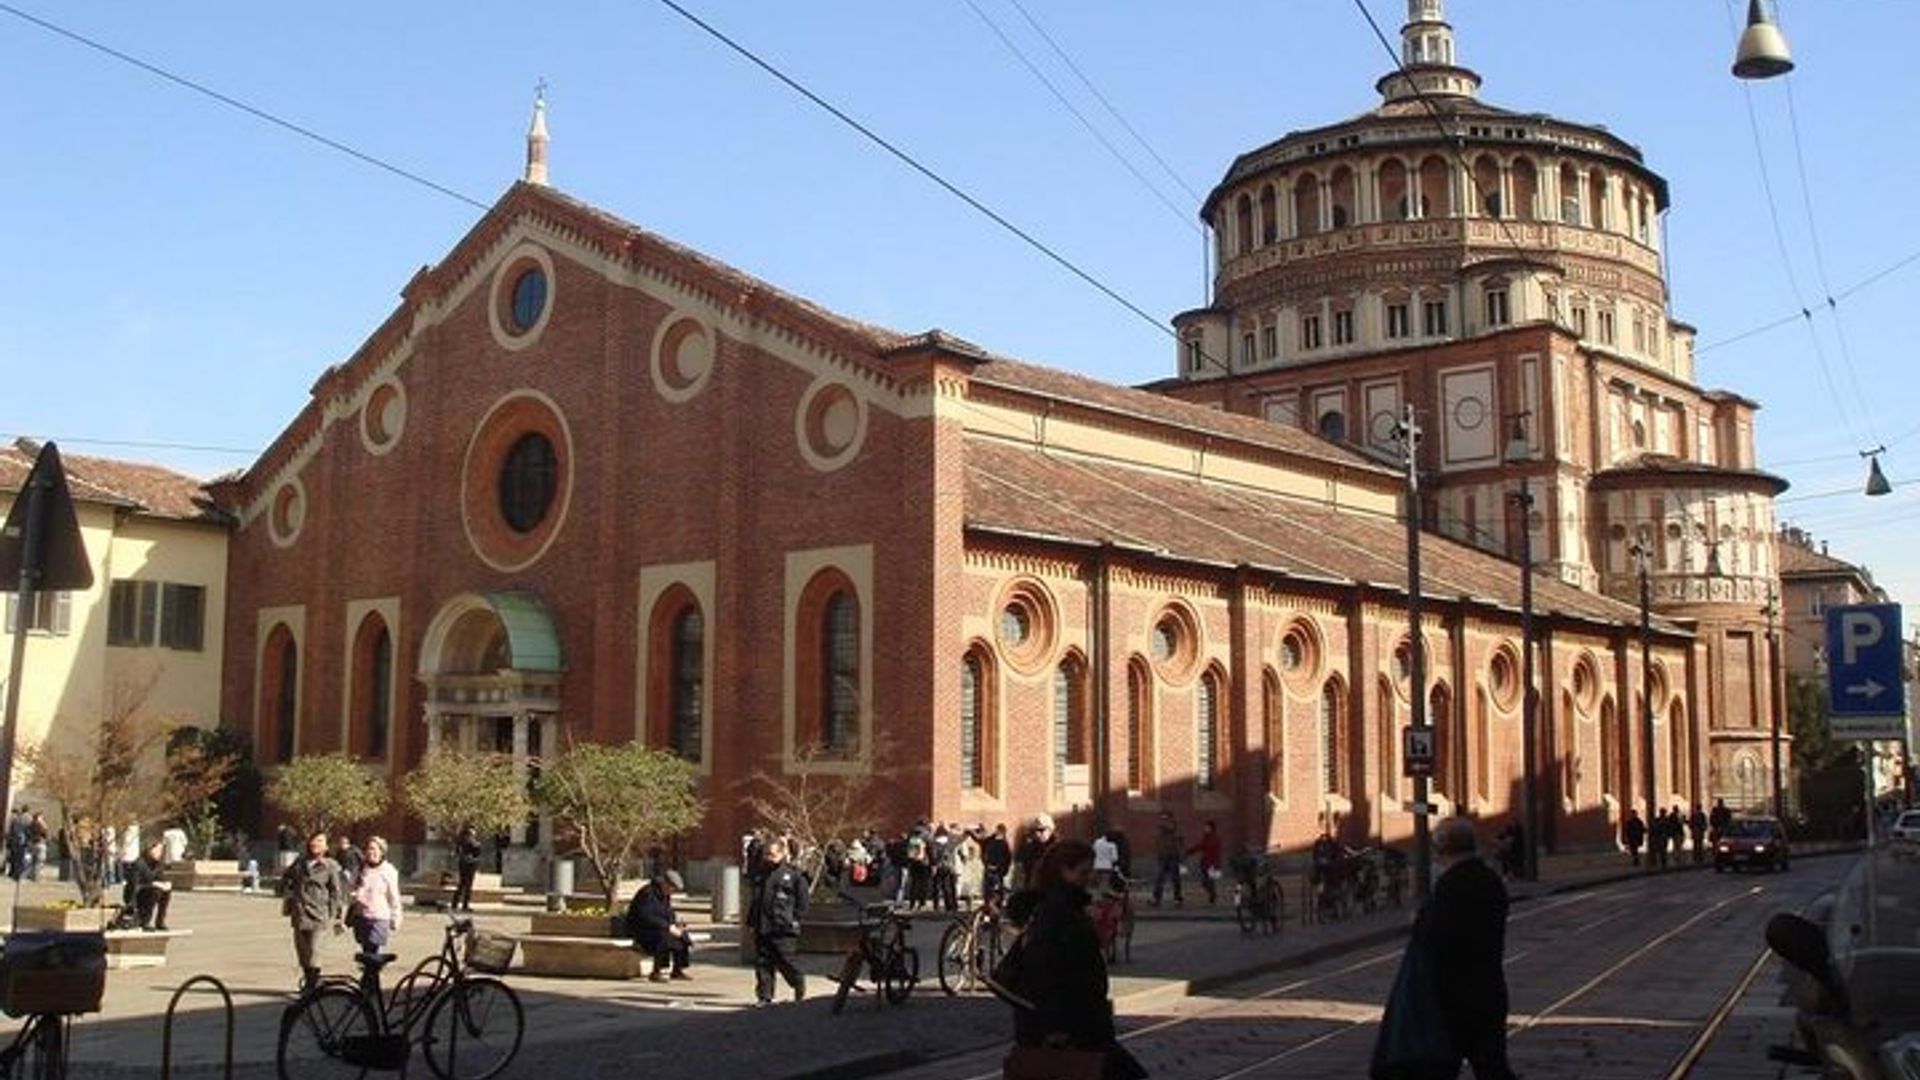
pixel 1334 977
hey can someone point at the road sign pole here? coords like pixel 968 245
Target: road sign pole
pixel 1409 433
pixel 38 485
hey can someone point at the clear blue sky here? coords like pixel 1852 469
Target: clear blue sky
pixel 180 272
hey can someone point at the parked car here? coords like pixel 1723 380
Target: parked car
pixel 1906 827
pixel 1751 842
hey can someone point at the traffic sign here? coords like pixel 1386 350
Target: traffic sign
pixel 1866 685
pixel 1416 753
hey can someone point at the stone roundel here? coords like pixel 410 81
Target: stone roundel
pixel 684 356
pixel 287 512
pixel 499 443
pixel 383 416
pixel 830 425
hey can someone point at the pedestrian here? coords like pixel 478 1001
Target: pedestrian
pixel 1634 832
pixel 1509 846
pixel 1453 972
pixel 37 835
pixel 1697 825
pixel 1209 851
pixel 996 861
pixel 148 892
pixel 1055 975
pixel 1106 855
pixel 941 854
pixel 1033 846
pixel 17 843
pixel 657 930
pixel 1123 860
pixel 314 899
pixel 286 846
pixel 466 864
pixel 919 866
pixel 374 910
pixel 130 848
pixel 969 872
pixel 1168 847
pixel 1659 837
pixel 777 907
pixel 349 859
pixel 1718 821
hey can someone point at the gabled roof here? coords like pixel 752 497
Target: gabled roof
pixel 1022 491
pixel 151 490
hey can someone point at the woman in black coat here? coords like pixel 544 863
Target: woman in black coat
pixel 1063 970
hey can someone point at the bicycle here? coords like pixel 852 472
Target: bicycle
pixel 1258 898
pixel 470 1026
pixel 882 950
pixel 970 947
pixel 41 1046
pixel 1113 918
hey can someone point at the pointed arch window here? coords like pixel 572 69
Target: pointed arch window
pixel 828 654
pixel 1273 719
pixel 1333 735
pixel 370 719
pixel 1140 749
pixel 1069 717
pixel 978 736
pixel 280 694
pixel 688 689
pixel 1207 734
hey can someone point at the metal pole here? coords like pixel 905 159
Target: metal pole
pixel 30 558
pixel 1646 686
pixel 1416 645
pixel 1779 702
pixel 1529 707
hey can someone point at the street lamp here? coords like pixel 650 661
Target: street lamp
pixel 1643 555
pixel 1518 449
pixel 1408 433
pixel 1779 701
pixel 1763 52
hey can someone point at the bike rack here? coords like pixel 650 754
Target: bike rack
pixel 166 1035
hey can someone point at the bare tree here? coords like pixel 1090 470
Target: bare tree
pixel 814 801
pixel 613 802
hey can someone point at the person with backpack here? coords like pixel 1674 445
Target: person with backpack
pixel 1055 974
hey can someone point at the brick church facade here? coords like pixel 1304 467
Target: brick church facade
pixel 586 484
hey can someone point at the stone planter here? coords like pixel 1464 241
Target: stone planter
pixel 579 957
pixel 583 926
pixel 69 919
pixel 191 875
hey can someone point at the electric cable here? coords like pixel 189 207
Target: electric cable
pixel 141 444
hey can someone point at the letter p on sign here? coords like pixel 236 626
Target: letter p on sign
pixel 1858 630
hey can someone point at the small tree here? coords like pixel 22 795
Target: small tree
pixel 201 764
pixel 814 801
pixel 613 802
pixel 453 790
pixel 115 779
pixel 324 792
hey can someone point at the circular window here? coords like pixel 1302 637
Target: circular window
pixel 1026 626
pixel 1503 676
pixel 683 356
pixel 1470 413
pixel 521 301
pixel 831 422
pixel 1403 668
pixel 1586 685
pixel 1016 626
pixel 383 417
pixel 1174 643
pixel 527 479
pixel 287 513
pixel 516 479
pixel 1300 657
pixel 529 299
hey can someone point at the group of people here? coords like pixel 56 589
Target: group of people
pixel 27 838
pixel 933 864
pixel 325 891
pixel 1670 830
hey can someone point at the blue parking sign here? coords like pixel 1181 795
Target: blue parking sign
pixel 1866 691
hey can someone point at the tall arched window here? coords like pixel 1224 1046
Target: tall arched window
pixel 1306 205
pixel 371 708
pixel 840 663
pixel 1440 719
pixel 1243 224
pixel 1482 743
pixel 1386 732
pixel 687 692
pixel 280 693
pixel 978 738
pixel 1679 744
pixel 1333 737
pixel 1610 749
pixel 1140 749
pixel 1569 750
pixel 1273 720
pixel 1069 717
pixel 1207 733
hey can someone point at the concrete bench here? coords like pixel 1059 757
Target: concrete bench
pixel 139 948
pixel 435 888
pixel 580 957
pixel 206 875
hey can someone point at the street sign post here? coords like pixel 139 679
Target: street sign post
pixel 1416 753
pixel 1866 690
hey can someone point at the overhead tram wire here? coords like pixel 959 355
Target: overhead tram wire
pixel 1184 216
pixel 235 103
pixel 1104 101
pixel 140 444
pixel 938 180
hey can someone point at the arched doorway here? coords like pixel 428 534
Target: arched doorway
pixel 491 665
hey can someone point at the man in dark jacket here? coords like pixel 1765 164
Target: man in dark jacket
pixel 1465 926
pixel 996 860
pixel 1634 832
pixel 148 892
pixel 777 907
pixel 656 929
pixel 466 863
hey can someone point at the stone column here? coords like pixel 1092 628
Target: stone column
pixel 520 765
pixel 433 734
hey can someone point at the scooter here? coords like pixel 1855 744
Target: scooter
pixel 1842 1042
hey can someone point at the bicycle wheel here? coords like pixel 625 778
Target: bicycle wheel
pixel 315 1029
pixel 415 991
pixel 849 974
pixel 958 963
pixel 902 970
pixel 473 1029
pixel 38 1051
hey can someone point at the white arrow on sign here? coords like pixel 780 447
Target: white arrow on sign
pixel 1868 689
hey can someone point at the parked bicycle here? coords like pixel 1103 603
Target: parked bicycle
pixel 881 950
pixel 468 1025
pixel 1259 901
pixel 1113 917
pixel 971 947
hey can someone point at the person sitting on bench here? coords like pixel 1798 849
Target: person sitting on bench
pixel 148 892
pixel 656 930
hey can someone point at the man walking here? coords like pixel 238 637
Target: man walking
pixel 1697 825
pixel 1634 832
pixel 1718 821
pixel 1168 846
pixel 314 899
pixel 1461 938
pixel 777 907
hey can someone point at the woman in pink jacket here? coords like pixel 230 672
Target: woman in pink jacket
pixel 375 912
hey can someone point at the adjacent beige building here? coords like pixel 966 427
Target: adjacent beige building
pixel 155 614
